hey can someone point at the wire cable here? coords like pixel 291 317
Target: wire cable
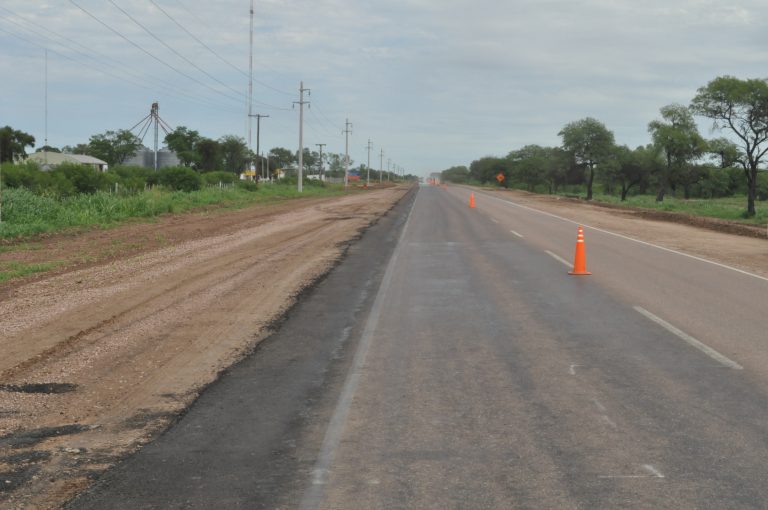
pixel 233 66
pixel 151 55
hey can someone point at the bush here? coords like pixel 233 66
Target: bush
pixel 85 179
pixel 179 178
pixel 214 178
pixel 247 185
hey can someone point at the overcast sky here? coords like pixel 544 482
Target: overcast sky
pixel 434 83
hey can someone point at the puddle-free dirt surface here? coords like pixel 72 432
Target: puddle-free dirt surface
pixel 104 353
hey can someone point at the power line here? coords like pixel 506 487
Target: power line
pixel 151 55
pixel 156 38
pixel 106 73
pixel 230 64
pixel 104 60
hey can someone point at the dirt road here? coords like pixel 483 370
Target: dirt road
pixel 97 360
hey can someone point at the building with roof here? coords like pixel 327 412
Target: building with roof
pixel 49 160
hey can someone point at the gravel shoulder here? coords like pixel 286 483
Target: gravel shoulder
pixel 103 354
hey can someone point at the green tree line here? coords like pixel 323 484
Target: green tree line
pixel 678 161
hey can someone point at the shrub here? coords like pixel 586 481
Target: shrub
pixel 214 178
pixel 179 178
pixel 84 178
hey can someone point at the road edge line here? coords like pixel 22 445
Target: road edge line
pixel 315 493
pixel 670 250
pixel 709 351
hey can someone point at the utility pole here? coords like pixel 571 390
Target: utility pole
pixel 250 93
pixel 388 163
pixel 321 145
pixel 46 107
pixel 258 117
pixel 381 165
pixel 346 131
pixel 368 168
pixel 301 104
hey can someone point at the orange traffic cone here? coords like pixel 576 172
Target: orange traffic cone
pixel 580 259
pixel 471 200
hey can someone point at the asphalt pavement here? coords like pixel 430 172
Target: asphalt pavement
pixel 451 362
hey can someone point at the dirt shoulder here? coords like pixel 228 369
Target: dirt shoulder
pixel 738 245
pixel 105 353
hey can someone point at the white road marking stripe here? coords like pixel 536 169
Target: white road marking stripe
pixel 610 422
pixel 709 351
pixel 655 472
pixel 494 220
pixel 517 234
pixel 724 266
pixel 572 369
pixel 558 258
pixel 598 405
pixel 314 495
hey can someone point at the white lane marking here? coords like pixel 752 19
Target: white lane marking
pixel 598 405
pixel 516 233
pixel 652 473
pixel 494 220
pixel 315 493
pixel 709 351
pixel 609 421
pixel 572 369
pixel 655 472
pixel 558 258
pixel 622 236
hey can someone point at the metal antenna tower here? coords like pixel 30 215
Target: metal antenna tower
pixel 152 120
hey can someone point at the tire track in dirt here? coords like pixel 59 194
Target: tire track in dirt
pixel 137 339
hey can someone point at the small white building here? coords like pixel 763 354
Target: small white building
pixel 49 160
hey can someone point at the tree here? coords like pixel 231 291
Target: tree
pixel 726 151
pixel 183 142
pixel 234 153
pixel 590 142
pixel 209 152
pixel 13 143
pixel 47 148
pixel 678 137
pixel 457 174
pixel 114 147
pixel 283 158
pixel 80 148
pixel 486 169
pixel 634 167
pixel 740 106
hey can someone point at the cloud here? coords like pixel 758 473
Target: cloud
pixel 434 82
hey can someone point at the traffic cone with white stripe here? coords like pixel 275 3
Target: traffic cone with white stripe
pixel 580 258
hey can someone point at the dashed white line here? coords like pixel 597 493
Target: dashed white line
pixel 517 233
pixel 558 258
pixel 494 220
pixel 609 421
pixel 598 405
pixel 700 259
pixel 709 351
pixel 652 473
pixel 655 472
pixel 572 369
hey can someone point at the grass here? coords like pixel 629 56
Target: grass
pixel 26 214
pixel 728 208
pixel 11 270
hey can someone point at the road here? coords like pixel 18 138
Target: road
pixel 451 362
